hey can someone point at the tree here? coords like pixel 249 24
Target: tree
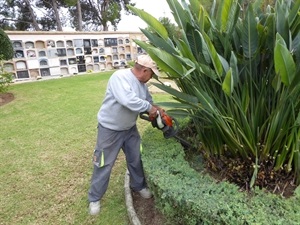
pixel 51 20
pixel 46 14
pixel 79 16
pixel 96 15
pixel 57 17
pixel 18 15
pixel 32 15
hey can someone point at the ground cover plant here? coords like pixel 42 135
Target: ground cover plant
pixel 238 68
pixel 47 137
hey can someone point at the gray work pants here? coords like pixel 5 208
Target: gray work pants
pixel 109 143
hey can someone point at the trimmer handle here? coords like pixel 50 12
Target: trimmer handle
pixel 145 116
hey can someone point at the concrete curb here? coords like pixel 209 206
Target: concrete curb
pixel 134 220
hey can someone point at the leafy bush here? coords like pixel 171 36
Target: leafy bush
pixel 239 74
pixel 6 53
pixel 188 197
pixel 6 49
pixel 5 77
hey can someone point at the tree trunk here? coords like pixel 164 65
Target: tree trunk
pixel 33 16
pixel 79 28
pixel 57 17
pixel 103 10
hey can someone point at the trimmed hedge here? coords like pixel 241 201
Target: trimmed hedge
pixel 186 196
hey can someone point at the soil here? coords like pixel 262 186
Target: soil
pixel 146 210
pixel 6 98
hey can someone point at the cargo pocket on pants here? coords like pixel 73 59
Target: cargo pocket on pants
pixel 98 159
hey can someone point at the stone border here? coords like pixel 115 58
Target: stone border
pixel 134 220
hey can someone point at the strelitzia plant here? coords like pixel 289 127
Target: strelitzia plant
pixel 238 70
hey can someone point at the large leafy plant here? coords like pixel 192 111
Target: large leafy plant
pixel 238 68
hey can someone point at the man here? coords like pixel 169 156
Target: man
pixel 126 96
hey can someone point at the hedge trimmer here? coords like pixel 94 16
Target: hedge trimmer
pixel 167 124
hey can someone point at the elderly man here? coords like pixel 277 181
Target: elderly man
pixel 126 96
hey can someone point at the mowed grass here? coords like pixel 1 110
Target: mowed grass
pixel 47 138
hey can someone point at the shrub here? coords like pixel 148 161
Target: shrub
pixel 6 49
pixel 188 197
pixel 5 77
pixel 6 53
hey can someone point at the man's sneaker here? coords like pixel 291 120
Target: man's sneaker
pixel 94 208
pixel 145 193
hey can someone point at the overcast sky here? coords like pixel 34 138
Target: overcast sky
pixel 157 8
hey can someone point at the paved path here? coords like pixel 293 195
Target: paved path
pixel 153 89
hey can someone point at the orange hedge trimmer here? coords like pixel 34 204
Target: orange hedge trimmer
pixel 167 124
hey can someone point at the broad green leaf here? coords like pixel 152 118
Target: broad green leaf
pixel 235 70
pixel 296 46
pixel 233 16
pixel 257 4
pixel 270 30
pixel 284 63
pixel 177 113
pixel 183 96
pixel 224 63
pixel 151 21
pixel 250 34
pixel 227 85
pixel 175 105
pixel 164 60
pixel 187 62
pixel 159 42
pixel 245 99
pixel 184 49
pixel 178 13
pixel 194 41
pixel 276 82
pixel 206 101
pixel 201 16
pixel 227 15
pixel 282 24
pixel 207 71
pixel 213 55
pixel 295 26
pixel 205 53
pixel 294 16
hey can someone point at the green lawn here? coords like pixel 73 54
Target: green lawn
pixel 47 138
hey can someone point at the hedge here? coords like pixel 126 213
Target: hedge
pixel 186 196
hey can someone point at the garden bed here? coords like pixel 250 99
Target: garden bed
pixel 187 196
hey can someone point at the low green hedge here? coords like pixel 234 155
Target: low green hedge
pixel 186 196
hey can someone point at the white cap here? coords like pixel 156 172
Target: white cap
pixel 146 61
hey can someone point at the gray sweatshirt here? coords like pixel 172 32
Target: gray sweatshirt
pixel 125 98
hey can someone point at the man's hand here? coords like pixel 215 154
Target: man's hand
pixel 153 113
pixel 161 110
